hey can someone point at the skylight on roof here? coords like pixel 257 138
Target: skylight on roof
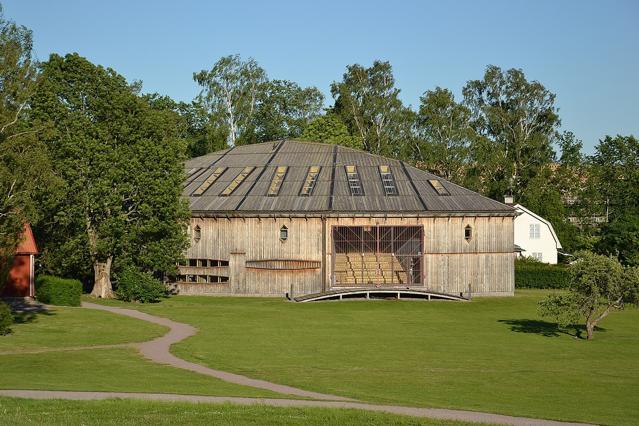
pixel 209 181
pixel 388 180
pixel 237 181
pixel 276 182
pixel 354 182
pixel 311 180
pixel 437 186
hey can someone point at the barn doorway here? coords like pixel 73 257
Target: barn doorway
pixel 377 256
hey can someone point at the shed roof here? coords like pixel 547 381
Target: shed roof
pixel 27 244
pixel 331 192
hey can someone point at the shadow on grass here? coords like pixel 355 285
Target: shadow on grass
pixel 548 329
pixel 26 312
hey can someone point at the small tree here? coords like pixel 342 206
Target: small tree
pixel 598 285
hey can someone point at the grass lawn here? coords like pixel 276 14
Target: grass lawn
pixel 491 355
pixel 119 412
pixel 66 327
pixel 113 369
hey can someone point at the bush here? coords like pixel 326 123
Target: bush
pixel 58 291
pixel 134 285
pixel 6 319
pixel 530 273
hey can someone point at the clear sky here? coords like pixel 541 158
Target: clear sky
pixel 586 52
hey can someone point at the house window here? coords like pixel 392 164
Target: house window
pixel 283 233
pixel 237 181
pixel 538 256
pixel 354 182
pixel 388 180
pixel 311 180
pixel 468 233
pixel 276 182
pixel 209 181
pixel 197 233
pixel 438 187
pixel 534 231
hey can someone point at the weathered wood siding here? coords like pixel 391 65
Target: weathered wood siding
pixel 250 240
pixel 450 265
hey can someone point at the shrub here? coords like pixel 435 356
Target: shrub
pixel 134 285
pixel 6 319
pixel 58 291
pixel 530 273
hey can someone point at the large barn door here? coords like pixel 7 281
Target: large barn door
pixel 377 256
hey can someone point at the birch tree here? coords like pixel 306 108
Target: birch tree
pixel 229 93
pixel 519 120
pixel 368 102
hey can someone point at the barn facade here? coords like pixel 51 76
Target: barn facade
pixel 306 218
pixel 21 275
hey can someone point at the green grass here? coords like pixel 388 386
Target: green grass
pixel 114 369
pixel 66 327
pixel 489 355
pixel 119 412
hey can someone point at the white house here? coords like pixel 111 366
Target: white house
pixel 536 236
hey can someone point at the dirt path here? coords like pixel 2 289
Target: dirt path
pixel 435 413
pixel 158 350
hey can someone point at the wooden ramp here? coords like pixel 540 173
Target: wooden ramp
pixel 378 293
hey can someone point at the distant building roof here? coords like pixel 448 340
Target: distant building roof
pixel 293 177
pixel 522 209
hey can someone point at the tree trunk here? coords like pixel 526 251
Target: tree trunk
pixel 590 329
pixel 102 285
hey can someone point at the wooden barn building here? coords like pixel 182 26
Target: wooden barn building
pixel 307 218
pixel 20 277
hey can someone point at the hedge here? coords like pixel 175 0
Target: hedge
pixel 533 274
pixel 58 291
pixel 138 286
pixel 6 318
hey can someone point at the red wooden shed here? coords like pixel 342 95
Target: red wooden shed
pixel 20 281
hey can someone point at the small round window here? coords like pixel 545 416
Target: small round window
pixel 283 233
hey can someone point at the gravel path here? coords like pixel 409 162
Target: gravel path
pixel 435 413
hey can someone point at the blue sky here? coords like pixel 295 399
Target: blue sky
pixel 586 52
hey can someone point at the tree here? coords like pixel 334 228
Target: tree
pixel 444 134
pixel 518 120
pixel 330 129
pixel 284 109
pixel 598 285
pixel 620 238
pixel 229 93
pixel 121 163
pixel 24 163
pixel 616 171
pixel 368 102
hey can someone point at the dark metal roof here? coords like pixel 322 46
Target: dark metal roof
pixel 331 193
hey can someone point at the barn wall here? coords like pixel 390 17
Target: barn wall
pixel 245 240
pixel 451 263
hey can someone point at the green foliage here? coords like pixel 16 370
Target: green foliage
pixel 368 102
pixel 229 94
pixel 24 165
pixel 284 109
pixel 620 238
pixel 518 120
pixel 121 162
pixel 58 291
pixel 444 135
pixel 330 129
pixel 530 273
pixel 134 285
pixel 598 285
pixel 6 318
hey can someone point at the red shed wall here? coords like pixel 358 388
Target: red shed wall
pixel 19 279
